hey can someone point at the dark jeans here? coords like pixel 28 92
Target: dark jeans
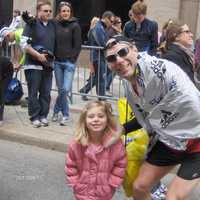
pixel 100 76
pixel 109 78
pixel 3 85
pixel 39 88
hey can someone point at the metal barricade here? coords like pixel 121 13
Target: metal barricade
pixel 81 75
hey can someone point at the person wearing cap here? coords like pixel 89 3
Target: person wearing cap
pixel 166 103
pixel 141 29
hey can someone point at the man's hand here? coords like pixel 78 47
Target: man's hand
pixel 17 67
pixel 42 57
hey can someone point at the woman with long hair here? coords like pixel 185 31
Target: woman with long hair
pixel 68 46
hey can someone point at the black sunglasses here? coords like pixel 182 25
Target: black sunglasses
pixel 121 53
pixel 50 11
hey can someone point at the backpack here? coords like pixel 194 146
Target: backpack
pixel 14 91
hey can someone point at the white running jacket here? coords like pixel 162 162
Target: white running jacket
pixel 168 102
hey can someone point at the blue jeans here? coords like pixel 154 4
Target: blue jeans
pixel 64 74
pixel 39 92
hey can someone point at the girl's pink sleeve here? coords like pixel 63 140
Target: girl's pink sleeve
pixel 71 168
pixel 118 171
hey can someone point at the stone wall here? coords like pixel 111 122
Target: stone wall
pixel 23 5
pixel 198 24
pixel 162 10
pixel 29 5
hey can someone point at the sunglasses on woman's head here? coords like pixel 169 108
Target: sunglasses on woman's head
pixel 64 3
pixel 121 53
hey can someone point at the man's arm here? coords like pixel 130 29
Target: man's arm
pixel 132 125
pixel 26 47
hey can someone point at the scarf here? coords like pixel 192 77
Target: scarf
pixel 189 52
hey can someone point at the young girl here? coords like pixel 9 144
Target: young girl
pixel 96 159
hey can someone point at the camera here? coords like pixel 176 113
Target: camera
pixel 48 65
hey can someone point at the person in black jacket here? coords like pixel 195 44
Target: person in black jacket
pixel 67 49
pixel 6 73
pixel 38 42
pixel 179 43
pixel 142 31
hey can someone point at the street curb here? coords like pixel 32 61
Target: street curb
pixel 29 140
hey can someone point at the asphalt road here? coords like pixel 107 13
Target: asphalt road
pixel 32 173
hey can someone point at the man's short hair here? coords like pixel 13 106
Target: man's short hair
pixel 107 14
pixel 42 3
pixel 139 8
pixel 17 12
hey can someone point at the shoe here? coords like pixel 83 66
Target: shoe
pixel 54 117
pixel 84 98
pixel 65 120
pixel 159 193
pixel 36 123
pixel 1 123
pixel 109 93
pixel 44 122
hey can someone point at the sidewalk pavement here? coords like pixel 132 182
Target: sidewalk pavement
pixel 17 127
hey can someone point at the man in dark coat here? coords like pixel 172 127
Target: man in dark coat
pixel 6 73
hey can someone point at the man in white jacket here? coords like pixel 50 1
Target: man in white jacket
pixel 166 103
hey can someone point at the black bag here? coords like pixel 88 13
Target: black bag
pixel 48 66
pixel 14 91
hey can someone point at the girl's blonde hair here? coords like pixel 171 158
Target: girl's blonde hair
pixel 82 133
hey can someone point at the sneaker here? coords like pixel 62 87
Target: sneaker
pixel 109 93
pixel 65 120
pixel 54 117
pixel 36 123
pixel 159 193
pixel 44 122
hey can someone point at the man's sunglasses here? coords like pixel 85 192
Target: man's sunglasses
pixel 47 11
pixel 121 53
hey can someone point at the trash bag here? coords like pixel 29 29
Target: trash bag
pixel 136 147
pixel 137 142
pixel 14 91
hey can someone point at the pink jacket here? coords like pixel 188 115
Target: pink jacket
pixel 94 172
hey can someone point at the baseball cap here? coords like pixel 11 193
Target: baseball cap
pixel 116 39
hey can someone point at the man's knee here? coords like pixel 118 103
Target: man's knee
pixel 141 187
pixel 175 196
